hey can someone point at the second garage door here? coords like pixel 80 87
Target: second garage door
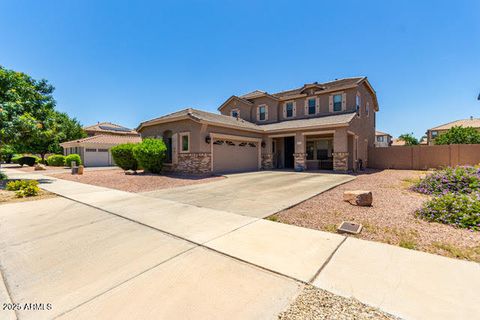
pixel 234 156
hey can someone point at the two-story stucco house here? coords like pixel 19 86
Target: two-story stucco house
pixel 438 130
pixel 317 126
pixel 382 139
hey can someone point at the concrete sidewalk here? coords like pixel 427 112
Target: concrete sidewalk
pixel 406 283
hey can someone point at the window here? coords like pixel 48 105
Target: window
pixel 262 113
pixel 358 104
pixel 312 105
pixel 434 134
pixel 337 102
pixel 367 109
pixel 90 150
pixel 380 139
pixel 102 150
pixel 320 149
pixel 235 113
pixel 185 142
pixel 289 109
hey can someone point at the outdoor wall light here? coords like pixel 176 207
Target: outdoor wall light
pixel 208 139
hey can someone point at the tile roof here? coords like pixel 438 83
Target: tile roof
pixel 471 122
pixel 109 127
pixel 398 142
pixel 380 133
pixel 106 139
pixel 330 120
pixel 200 115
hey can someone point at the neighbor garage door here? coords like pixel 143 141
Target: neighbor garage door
pixel 96 157
pixel 234 155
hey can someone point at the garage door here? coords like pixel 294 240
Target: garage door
pixel 96 157
pixel 234 156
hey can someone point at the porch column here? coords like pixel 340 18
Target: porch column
pixel 267 153
pixel 340 150
pixel 300 154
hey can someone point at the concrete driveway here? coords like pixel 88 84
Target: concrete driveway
pixel 84 263
pixel 257 194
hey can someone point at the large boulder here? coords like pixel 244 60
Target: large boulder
pixel 358 197
pixel 39 167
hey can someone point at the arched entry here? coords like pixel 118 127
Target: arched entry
pixel 167 139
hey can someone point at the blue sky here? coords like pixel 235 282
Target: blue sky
pixel 128 62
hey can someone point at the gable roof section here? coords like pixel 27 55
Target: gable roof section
pixel 108 127
pixel 202 116
pixel 326 86
pixel 380 133
pixel 240 99
pixel 472 122
pixel 336 120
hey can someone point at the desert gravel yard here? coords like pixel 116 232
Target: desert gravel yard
pixel 117 179
pixel 391 219
pixel 318 304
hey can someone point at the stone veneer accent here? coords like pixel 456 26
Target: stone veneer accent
pixel 267 161
pixel 340 161
pixel 300 161
pixel 193 163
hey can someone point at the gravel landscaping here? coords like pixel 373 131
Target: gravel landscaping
pixel 391 219
pixel 142 182
pixel 317 304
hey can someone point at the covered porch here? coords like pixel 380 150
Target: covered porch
pixel 311 150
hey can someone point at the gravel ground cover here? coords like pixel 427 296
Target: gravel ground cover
pixel 32 169
pixel 142 182
pixel 317 304
pixel 391 219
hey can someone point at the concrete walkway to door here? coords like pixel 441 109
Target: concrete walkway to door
pixel 254 194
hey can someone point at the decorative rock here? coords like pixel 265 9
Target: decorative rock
pixel 130 172
pixel 80 169
pixel 358 197
pixel 39 167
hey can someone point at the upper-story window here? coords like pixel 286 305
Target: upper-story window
pixel 358 104
pixel 380 139
pixel 262 113
pixel 312 105
pixel 235 113
pixel 289 109
pixel 337 102
pixel 434 134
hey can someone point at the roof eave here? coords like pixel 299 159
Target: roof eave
pixel 233 98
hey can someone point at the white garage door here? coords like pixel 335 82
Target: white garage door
pixel 234 156
pixel 96 157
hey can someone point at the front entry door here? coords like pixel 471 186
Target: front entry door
pixel 289 150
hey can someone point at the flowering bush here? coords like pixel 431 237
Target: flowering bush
pixel 24 188
pixel 460 210
pixel 455 180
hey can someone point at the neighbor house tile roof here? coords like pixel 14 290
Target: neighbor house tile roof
pixel 471 122
pixel 398 142
pixel 380 133
pixel 108 127
pixel 199 115
pixel 105 139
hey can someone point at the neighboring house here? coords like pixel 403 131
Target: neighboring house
pixel 95 149
pixel 423 141
pixel 435 132
pixel 317 126
pixel 397 142
pixel 382 139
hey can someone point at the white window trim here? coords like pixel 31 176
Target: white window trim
pixel 317 105
pixel 236 109
pixel 181 135
pixel 294 111
pixel 266 112
pixel 367 109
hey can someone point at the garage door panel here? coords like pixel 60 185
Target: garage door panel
pixel 96 157
pixel 235 156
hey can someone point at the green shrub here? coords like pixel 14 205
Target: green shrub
pixel 56 160
pixel 24 188
pixel 16 157
pixel 455 180
pixel 459 135
pixel 150 154
pixel 3 176
pixel 73 157
pixel 123 156
pixel 457 209
pixel 6 153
